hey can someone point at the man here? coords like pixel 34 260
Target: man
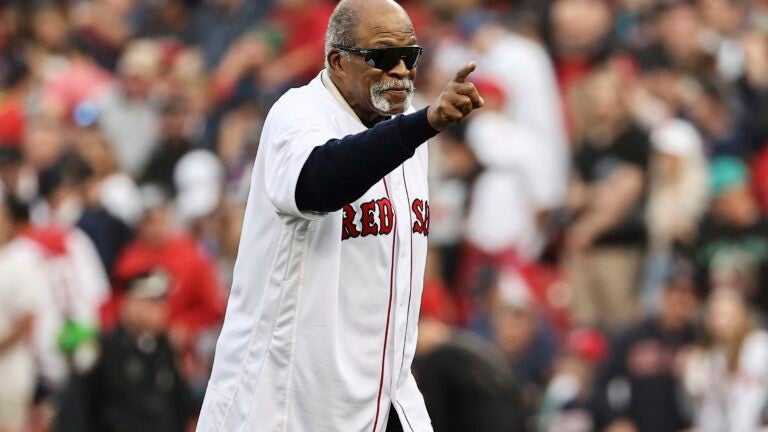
pixel 22 293
pixel 638 386
pixel 320 329
pixel 486 400
pixel 731 248
pixel 133 382
pixel 196 301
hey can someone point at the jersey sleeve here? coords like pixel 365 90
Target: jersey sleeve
pixel 288 138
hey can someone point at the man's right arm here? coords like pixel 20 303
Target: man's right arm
pixel 341 170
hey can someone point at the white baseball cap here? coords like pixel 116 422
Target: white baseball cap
pixel 198 177
pixel 677 137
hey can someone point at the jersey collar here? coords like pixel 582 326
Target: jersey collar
pixel 328 83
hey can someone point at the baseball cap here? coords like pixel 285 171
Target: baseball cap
pixel 726 172
pixel 153 285
pixel 141 58
pixel 488 87
pixel 677 137
pixel 587 343
pixel 514 292
pixel 198 178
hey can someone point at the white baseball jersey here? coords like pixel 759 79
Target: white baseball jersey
pixel 321 324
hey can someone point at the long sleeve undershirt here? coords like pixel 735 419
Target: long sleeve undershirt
pixel 342 170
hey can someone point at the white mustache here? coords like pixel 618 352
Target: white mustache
pixel 404 84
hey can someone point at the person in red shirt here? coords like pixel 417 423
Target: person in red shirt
pixel 15 86
pixel 196 301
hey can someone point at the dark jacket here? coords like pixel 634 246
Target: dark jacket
pixel 134 386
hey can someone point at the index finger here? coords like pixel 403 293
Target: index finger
pixel 461 76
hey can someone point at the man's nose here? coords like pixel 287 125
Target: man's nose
pixel 399 71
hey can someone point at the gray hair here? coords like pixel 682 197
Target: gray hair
pixel 341 29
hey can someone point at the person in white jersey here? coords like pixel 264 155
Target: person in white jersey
pixel 320 329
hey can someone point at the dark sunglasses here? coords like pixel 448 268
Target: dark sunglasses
pixel 388 57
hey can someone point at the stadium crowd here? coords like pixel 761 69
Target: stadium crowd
pixel 598 231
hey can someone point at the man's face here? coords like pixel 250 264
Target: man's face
pixel 736 206
pixel 376 91
pixel 678 304
pixel 146 315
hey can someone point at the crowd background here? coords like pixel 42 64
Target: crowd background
pixel 598 234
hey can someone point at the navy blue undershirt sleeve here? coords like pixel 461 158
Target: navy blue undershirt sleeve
pixel 342 170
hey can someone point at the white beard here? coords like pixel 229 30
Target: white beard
pixel 381 103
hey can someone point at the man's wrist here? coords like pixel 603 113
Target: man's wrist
pixel 434 119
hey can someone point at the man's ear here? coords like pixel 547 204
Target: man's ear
pixel 336 61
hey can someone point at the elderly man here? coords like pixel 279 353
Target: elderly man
pixel 320 328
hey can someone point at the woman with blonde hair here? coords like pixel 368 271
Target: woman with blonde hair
pixel 727 378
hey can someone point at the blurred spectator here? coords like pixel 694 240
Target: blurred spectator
pixel 681 38
pixel 566 403
pixel 237 143
pixel 16 85
pixel 530 97
pixel 12 172
pixel 301 25
pixel 580 40
pixel 70 262
pixel 488 399
pixel 102 28
pixel 606 239
pixel 638 387
pixel 133 381
pixel 219 23
pixel 511 191
pixel 198 180
pixel 195 300
pixel 164 19
pixel 107 186
pixel 760 178
pixel 752 88
pixel 678 189
pixel 507 192
pixel 174 144
pixel 677 195
pixel 22 291
pixel 728 377
pixel 524 337
pixel 69 81
pixel 725 129
pixel 732 244
pixel 723 20
pixel 127 113
pixel 108 209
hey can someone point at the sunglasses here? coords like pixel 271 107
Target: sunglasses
pixel 388 57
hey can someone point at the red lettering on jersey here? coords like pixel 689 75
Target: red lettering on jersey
pixel 386 216
pixel 348 227
pixel 421 211
pixel 368 220
pixel 418 210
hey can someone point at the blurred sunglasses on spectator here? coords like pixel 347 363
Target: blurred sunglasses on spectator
pixel 388 57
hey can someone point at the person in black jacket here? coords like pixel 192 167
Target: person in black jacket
pixel 467 383
pixel 639 387
pixel 133 383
